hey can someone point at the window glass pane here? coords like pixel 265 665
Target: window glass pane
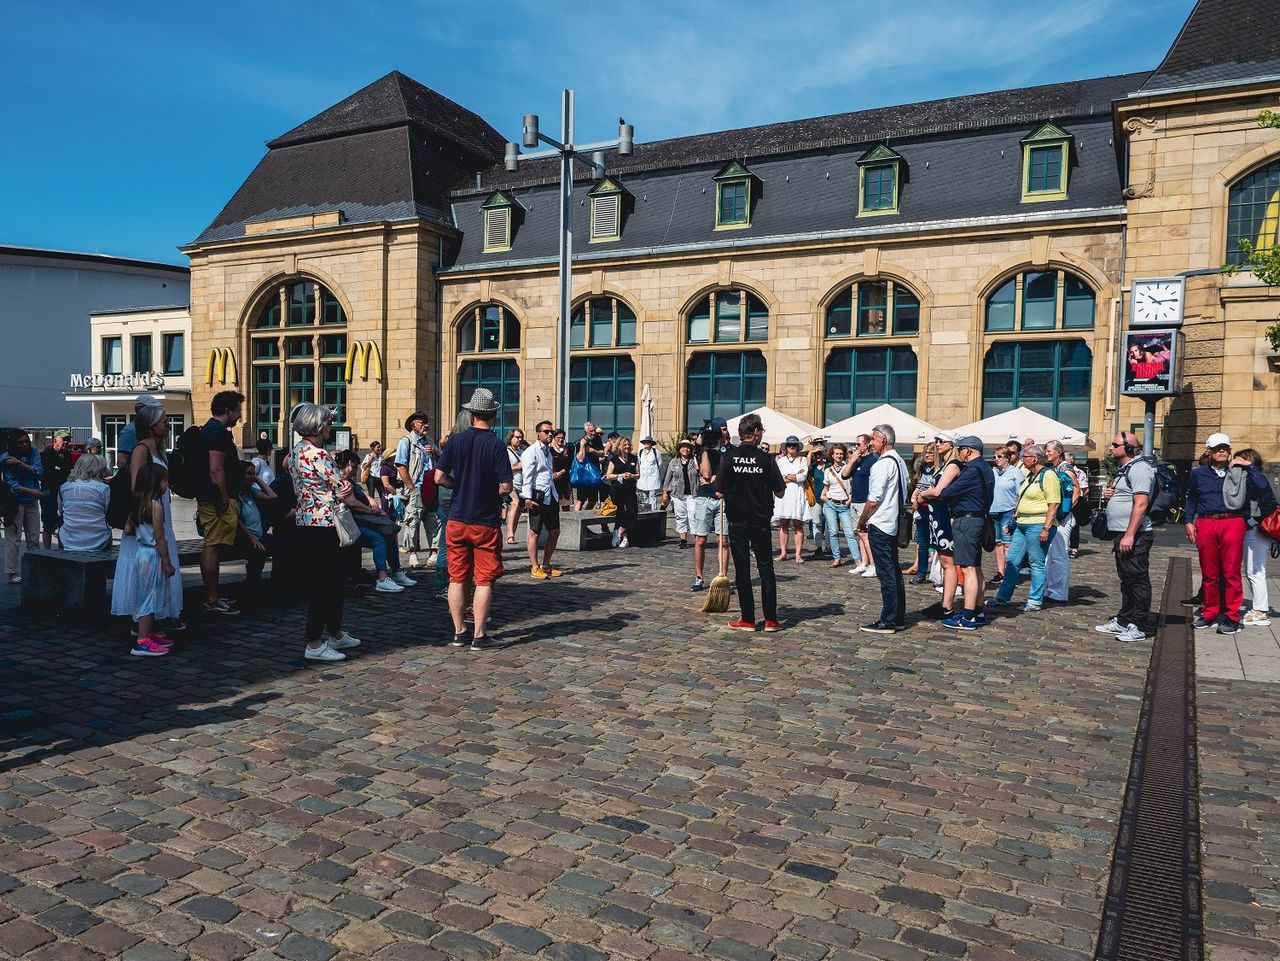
pixel 266 348
pixel 1000 307
pixel 270 316
pixel 578 327
pixel 1253 211
pixel 141 353
pixel 296 347
pixel 467 336
pixel 112 424
pixel 302 304
pixel 602 390
pixel 331 311
pixel 757 318
pixel 723 385
pixel 302 384
pixel 839 315
pixel 333 390
pixel 175 357
pixel 501 376
pixel 177 424
pixel 626 326
pixel 700 322
pixel 266 400
pixel 1039 300
pixel 112 355
pixel 1044 168
pixel 877 187
pixel 728 315
pixel 602 322
pixel 512 330
pixel 858 379
pixel 333 345
pixel 906 311
pixel 873 300
pixel 1078 303
pixel 1051 378
pixel 733 203
pixel 491 328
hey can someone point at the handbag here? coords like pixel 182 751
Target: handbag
pixel 1098 526
pixel 988 524
pixel 345 524
pixel 1270 525
pixel 584 474
pixel 665 499
pixel 906 516
pixel 608 508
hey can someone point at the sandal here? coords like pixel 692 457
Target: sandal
pixel 911 570
pixel 835 563
pixel 510 539
pixel 799 559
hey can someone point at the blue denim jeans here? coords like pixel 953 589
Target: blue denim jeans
pixel 893 592
pixel 922 546
pixel 839 517
pixel 382 556
pixel 1026 544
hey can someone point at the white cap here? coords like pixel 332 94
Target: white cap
pixel 1217 440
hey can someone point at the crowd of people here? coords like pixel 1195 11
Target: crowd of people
pixel 449 507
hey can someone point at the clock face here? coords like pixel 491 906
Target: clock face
pixel 1157 303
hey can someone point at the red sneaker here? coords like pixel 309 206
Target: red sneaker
pixel 741 625
pixel 772 627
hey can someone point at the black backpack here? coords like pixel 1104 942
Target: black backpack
pixel 1167 492
pixel 189 465
pixel 8 503
pixel 120 499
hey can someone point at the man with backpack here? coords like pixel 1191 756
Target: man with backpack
pixel 216 498
pixel 1058 558
pixel 415 459
pixel 1128 500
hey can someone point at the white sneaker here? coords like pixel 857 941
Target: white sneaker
pixel 343 641
pixel 869 572
pixel 413 559
pixel 403 579
pixel 1112 626
pixel 1256 619
pixel 624 542
pixel 616 538
pixel 1132 634
pixel 324 652
pixel 858 568
pixel 388 586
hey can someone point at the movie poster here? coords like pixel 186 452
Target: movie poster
pixel 1151 363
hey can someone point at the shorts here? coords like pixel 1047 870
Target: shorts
pixel 708 517
pixel 50 519
pixel 219 529
pixel 544 517
pixel 474 552
pixel 966 534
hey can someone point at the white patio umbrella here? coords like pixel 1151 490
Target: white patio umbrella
pixel 777 426
pixel 1019 424
pixel 908 428
pixel 646 414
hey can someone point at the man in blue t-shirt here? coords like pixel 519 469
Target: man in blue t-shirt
pixel 857 470
pixel 475 466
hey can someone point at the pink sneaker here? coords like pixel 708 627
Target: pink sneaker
pixel 161 640
pixel 149 648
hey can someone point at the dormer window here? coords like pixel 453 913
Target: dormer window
pixel 497 222
pixel 606 211
pixel 879 179
pixel 1045 158
pixel 733 197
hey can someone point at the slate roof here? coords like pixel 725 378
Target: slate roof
pixel 1222 42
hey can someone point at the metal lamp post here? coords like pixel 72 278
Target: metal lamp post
pixel 567 151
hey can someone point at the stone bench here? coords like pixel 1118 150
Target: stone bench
pixel 74 583
pixel 588 531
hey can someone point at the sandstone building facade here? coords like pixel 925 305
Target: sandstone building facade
pixel 955 258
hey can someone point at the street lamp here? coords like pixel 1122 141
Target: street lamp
pixel 591 154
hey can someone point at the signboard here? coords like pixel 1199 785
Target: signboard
pixel 146 382
pixel 1151 363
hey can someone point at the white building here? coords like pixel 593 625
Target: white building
pixel 140 351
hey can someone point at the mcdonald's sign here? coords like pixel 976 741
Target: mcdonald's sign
pixel 222 366
pixel 361 355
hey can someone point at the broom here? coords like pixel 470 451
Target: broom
pixel 717 601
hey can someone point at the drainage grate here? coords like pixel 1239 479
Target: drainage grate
pixel 1153 910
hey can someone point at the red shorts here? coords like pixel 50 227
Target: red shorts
pixel 474 552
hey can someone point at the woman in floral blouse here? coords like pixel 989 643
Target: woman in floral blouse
pixel 319 488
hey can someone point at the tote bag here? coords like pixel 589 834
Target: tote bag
pixel 345 524
pixel 584 474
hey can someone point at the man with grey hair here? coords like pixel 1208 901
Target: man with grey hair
pixel 887 491
pixel 1057 563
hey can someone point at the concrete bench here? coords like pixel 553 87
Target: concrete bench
pixel 588 531
pixel 74 583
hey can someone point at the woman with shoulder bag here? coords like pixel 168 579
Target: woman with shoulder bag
pixel 377 530
pixel 837 513
pixel 1261 503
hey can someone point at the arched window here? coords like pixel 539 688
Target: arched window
pixel 603 390
pixel 723 385
pixel 1049 376
pixel 728 316
pixel 1041 300
pixel 487 329
pixel 859 378
pixel 501 375
pixel 874 308
pixel 602 322
pixel 1253 212
pixel 302 360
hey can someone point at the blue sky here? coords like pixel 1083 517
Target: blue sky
pixel 128 125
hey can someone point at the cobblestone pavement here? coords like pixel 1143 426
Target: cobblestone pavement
pixel 626 779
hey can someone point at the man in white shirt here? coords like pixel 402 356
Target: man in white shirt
pixel 541 502
pixel 887 490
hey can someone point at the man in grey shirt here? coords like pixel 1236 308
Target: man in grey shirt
pixel 1128 497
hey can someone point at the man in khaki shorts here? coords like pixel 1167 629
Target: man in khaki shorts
pixel 217 505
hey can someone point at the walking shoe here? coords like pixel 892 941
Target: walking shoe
pixel 616 537
pixel 388 586
pixel 469 615
pixel 772 627
pixel 980 618
pixel 459 640
pixel 741 625
pixel 1031 607
pixel 148 648
pixel 403 579
pixel 1256 619
pixel 324 652
pixel 539 573
pixel 161 640
pixel 958 622
pixel 484 642
pixel 413 559
pixel 947 612
pixel 919 579
pixel 442 595
pixel 624 542
pixel 697 584
pixel 858 568
pixel 869 572
pixel 878 627
pixel 1112 626
pixel 683 544
pixel 554 571
pixel 836 562
pixel 15 579
pixel 222 607
pixel 1132 634
pixel 1229 627
pixel 343 641
pixel 995 602
pixel 1201 624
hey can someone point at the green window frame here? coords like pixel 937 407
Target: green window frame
pixel 602 389
pixel 500 375
pixel 1052 377
pixel 604 211
pixel 612 323
pixel 496 223
pixel 301 382
pixel 739 316
pixel 1041 300
pixel 488 329
pixel 1253 212
pixel 1046 155
pixel 883 307
pixel 301 301
pixel 733 196
pixel 140 348
pixel 879 188
pixel 856 379
pixel 174 347
pixel 1044 169
pixel 723 384
pixel 266 401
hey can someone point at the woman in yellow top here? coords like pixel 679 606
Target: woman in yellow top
pixel 1034 518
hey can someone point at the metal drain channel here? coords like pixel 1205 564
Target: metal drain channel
pixel 1153 910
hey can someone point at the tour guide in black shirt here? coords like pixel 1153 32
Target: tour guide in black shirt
pixel 748 480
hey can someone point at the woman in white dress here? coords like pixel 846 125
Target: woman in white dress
pixel 152 427
pixel 792 509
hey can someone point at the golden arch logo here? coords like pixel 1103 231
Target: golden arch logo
pixel 361 355
pixel 222 366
